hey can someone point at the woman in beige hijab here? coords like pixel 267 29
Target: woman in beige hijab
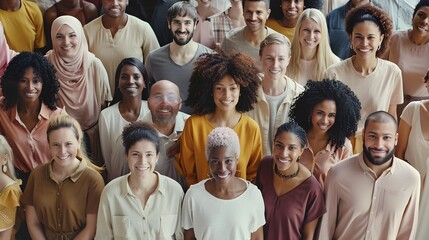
pixel 84 85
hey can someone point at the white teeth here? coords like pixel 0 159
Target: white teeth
pixel 284 160
pixel 365 50
pixel 63 157
pixel 422 29
pixel 223 176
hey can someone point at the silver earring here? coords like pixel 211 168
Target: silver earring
pixel 4 168
pixel 351 46
pixel 379 46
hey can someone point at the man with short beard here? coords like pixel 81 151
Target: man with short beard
pixel 248 38
pixel 164 103
pixel 372 195
pixel 175 61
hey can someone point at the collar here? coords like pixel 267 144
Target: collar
pixel 44 112
pixel 178 126
pixel 291 89
pixel 74 176
pixel 126 189
pixel 367 169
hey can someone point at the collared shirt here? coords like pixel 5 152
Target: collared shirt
pixel 121 214
pixel 319 163
pixel 165 165
pixel 62 207
pixel 261 113
pixel 361 206
pixel 30 148
pixel 221 25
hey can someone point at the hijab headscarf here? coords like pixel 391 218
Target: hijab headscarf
pixel 76 76
pixel 6 54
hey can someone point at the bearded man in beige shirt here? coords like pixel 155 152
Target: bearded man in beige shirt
pixel 372 195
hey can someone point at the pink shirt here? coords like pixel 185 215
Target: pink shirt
pixel 30 148
pixel 319 163
pixel 361 206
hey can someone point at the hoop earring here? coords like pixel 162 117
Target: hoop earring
pixel 299 158
pixel 4 168
pixel 351 46
pixel 379 46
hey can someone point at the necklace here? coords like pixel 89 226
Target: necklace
pixel 276 170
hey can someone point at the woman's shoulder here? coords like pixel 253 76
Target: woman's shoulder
pixel 171 187
pixel 10 195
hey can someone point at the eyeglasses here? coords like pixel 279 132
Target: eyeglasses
pixel 170 98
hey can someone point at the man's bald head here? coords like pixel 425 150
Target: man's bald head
pixel 164 102
pixel 381 117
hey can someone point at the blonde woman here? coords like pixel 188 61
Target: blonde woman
pixel 311 54
pixel 10 192
pixel 276 92
pixel 61 198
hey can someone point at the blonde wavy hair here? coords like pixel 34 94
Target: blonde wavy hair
pixel 324 55
pixel 66 121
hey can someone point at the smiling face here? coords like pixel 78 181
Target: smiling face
pixel 182 29
pixel 142 158
pixel 323 116
pixel 226 93
pixel 164 102
pixel 66 42
pixel 421 22
pixel 275 59
pixel 286 150
pixel 292 9
pixel 63 146
pixel 379 141
pixel 366 38
pixel 255 14
pixel 131 82
pixel 114 8
pixel 29 87
pixel 223 164
pixel 309 33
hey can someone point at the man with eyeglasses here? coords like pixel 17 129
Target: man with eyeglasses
pixel 164 103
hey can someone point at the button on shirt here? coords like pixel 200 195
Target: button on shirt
pixel 122 216
pixel 361 206
pixel 30 148
pixel 320 163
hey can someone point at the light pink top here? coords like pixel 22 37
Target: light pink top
pixel 361 206
pixel 6 53
pixel 30 148
pixel 413 60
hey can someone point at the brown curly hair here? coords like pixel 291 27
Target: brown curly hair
pixel 211 68
pixel 374 14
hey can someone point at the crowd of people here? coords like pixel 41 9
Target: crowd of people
pixel 214 119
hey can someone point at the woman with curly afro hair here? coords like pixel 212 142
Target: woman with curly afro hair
pixel 29 88
pixel 222 88
pixel 376 82
pixel 329 112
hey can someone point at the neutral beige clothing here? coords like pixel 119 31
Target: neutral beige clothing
pixel 361 206
pixel 422 229
pixel 307 71
pixel 261 113
pixel 417 148
pixel 319 163
pixel 83 80
pixel 167 165
pixel 376 91
pixel 136 39
pixel 121 214
pixel 413 61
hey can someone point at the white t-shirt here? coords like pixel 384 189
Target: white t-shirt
pixel 214 218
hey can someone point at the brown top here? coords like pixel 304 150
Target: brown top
pixel 62 207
